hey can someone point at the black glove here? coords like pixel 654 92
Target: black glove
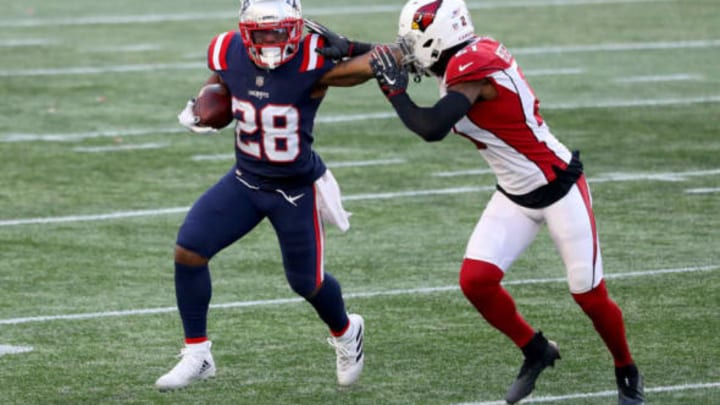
pixel 392 79
pixel 336 46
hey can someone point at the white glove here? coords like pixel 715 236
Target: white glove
pixel 189 120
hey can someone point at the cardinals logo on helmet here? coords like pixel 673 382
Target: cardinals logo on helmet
pixel 425 15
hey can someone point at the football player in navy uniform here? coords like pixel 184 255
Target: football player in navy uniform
pixel 486 99
pixel 277 81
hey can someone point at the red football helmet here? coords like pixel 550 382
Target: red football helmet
pixel 271 30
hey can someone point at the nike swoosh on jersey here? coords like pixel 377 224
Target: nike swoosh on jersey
pixel 465 66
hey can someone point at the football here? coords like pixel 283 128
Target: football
pixel 213 105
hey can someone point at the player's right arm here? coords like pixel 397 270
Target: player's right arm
pixel 349 72
pixel 353 57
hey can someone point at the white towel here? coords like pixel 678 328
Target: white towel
pixel 330 202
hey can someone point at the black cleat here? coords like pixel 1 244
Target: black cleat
pixel 630 385
pixel 539 354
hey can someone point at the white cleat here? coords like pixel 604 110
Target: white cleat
pixel 196 364
pixel 349 350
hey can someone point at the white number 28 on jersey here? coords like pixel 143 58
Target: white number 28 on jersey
pixel 278 128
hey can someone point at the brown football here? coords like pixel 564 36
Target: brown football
pixel 213 106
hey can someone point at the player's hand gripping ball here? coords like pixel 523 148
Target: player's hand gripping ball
pixel 213 106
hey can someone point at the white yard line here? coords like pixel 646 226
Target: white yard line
pixel 366 294
pixel 124 48
pixel 541 50
pixel 601 394
pixel 657 176
pixel 679 77
pixel 80 136
pixel 22 42
pixel 703 190
pixel 632 103
pixel 230 13
pixel 360 163
pixel 355 163
pixel 342 118
pixel 118 148
pixel 469 172
pixel 610 177
pixel 213 157
pixel 7 349
pixel 88 70
pixel 615 47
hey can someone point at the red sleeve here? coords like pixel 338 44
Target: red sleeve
pixel 477 61
pixel 217 51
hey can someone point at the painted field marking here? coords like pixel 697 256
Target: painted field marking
pixel 213 157
pixel 119 148
pixel 618 47
pixel 309 12
pixel 91 70
pixel 679 77
pixel 21 42
pixel 361 163
pixel 124 48
pixel 456 173
pixel 355 163
pixel 702 190
pixel 343 118
pixel 612 177
pixel 349 295
pixel 600 394
pixel 6 349
pixel 667 176
pixel 80 136
pixel 541 50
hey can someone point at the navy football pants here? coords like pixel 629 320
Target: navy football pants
pixel 230 209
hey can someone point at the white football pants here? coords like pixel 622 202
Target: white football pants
pixel 506 229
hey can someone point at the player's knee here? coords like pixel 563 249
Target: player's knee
pixel 478 277
pixel 188 257
pixel 302 285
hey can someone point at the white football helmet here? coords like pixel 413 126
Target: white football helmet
pixel 428 27
pixel 271 30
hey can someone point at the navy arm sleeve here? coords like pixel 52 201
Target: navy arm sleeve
pixel 431 123
pixel 359 48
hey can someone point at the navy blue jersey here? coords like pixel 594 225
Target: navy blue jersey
pixel 273 109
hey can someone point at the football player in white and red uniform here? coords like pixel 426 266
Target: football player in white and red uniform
pixel 486 99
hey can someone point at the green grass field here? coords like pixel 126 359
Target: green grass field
pixel 96 175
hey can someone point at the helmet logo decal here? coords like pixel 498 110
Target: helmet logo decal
pixel 425 15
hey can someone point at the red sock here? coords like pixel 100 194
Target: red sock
pixel 607 318
pixel 480 282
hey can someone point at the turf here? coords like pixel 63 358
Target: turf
pixel 634 85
